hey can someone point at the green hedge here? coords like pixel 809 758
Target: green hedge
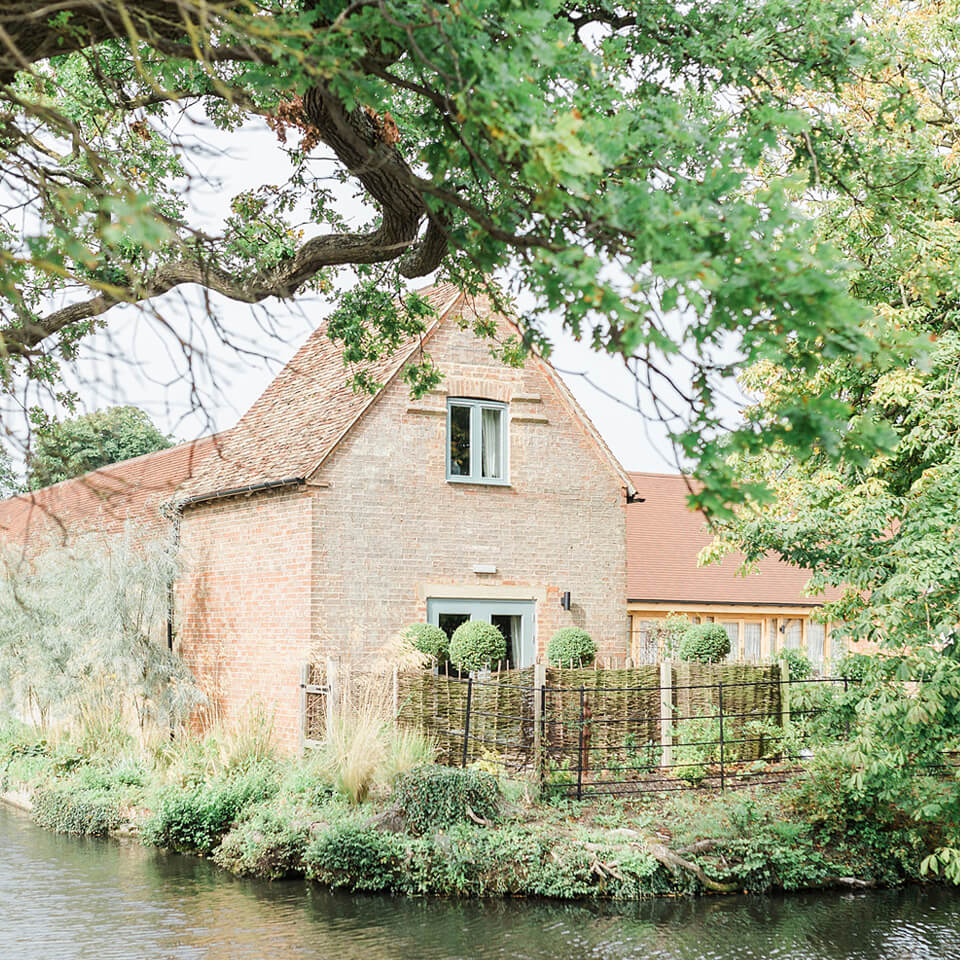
pixel 270 844
pixel 357 857
pixel 194 819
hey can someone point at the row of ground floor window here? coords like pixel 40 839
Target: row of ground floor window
pixel 756 633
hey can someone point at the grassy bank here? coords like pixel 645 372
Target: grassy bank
pixel 398 825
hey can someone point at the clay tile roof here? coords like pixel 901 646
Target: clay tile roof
pixel 664 537
pixel 103 500
pixel 302 415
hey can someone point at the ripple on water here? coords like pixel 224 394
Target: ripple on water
pixel 64 898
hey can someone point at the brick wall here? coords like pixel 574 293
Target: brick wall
pixel 243 602
pixel 389 524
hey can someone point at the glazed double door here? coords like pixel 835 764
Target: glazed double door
pixel 513 618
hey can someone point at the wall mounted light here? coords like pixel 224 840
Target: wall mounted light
pixel 565 599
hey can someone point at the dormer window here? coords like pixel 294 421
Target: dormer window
pixel 476 441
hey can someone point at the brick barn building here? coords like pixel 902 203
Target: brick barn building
pixel 326 520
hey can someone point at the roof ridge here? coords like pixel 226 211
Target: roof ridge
pixel 663 476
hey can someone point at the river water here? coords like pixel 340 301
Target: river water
pixel 63 897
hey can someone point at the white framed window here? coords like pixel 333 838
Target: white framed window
pixel 477 447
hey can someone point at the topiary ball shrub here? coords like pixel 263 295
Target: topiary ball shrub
pixel 704 643
pixel 571 646
pixel 476 644
pixel 430 640
pixel 434 797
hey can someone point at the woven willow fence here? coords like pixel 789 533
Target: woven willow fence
pixel 655 727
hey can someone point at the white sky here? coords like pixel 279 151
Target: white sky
pixel 141 357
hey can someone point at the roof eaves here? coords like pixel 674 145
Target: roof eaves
pixel 180 505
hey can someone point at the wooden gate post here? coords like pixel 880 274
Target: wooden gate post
pixel 332 703
pixel 666 713
pixel 539 682
pixel 784 696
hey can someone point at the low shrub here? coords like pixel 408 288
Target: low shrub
pixel 193 819
pixel 357 857
pixel 696 747
pixel 476 644
pixel 798 664
pixel 571 646
pixel 268 844
pixel 430 798
pixel 69 810
pixel 855 666
pixel 704 643
pixel 430 640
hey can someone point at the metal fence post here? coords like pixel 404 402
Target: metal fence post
pixel 539 682
pixel 466 720
pixel 580 746
pixel 720 712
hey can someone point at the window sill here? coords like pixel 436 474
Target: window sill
pixel 479 482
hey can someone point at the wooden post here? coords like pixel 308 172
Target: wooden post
pixel 539 682
pixel 466 720
pixel 720 713
pixel 666 713
pixel 784 695
pixel 396 691
pixel 580 746
pixel 302 727
pixel 333 692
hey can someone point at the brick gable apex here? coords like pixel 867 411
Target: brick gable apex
pixel 308 409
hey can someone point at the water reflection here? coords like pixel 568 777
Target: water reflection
pixel 61 897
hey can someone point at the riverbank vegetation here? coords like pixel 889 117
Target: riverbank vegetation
pixel 415 828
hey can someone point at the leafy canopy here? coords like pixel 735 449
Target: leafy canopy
pixel 612 159
pixel 68 448
pixel 882 530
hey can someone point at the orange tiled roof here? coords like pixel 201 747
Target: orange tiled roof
pixel 304 412
pixel 103 500
pixel 664 537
